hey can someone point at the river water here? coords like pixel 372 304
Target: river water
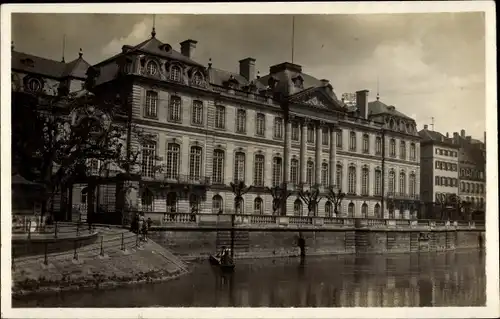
pixel 406 280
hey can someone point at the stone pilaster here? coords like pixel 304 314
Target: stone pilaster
pixel 286 151
pixel 303 151
pixel 317 164
pixel 333 155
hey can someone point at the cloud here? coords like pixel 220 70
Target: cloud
pixel 138 34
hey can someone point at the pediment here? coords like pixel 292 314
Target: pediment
pixel 315 97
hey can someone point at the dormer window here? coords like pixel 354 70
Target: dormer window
pixel 28 62
pixel 175 74
pixel 197 79
pixel 34 85
pixel 152 68
pixel 298 82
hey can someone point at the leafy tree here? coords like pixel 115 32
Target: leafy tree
pixel 335 196
pixel 239 188
pixel 279 194
pixel 311 197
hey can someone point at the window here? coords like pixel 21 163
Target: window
pixel 174 110
pixel 324 174
pixel 438 166
pixel 173 151
pixel 294 171
pixel 310 173
pixel 445 153
pixel 310 134
pixel 197 79
pixel 195 163
pixel 437 181
pixel 351 178
pixel 402 150
pixel 241 119
pixel 216 204
pixel 402 183
pixel 148 159
pixel 239 166
pixel 175 74
pixel 443 181
pixel 378 182
pixel 259 171
pixel 83 195
pixel 339 139
pixel 147 200
pixel 194 203
pixel 220 117
pixel 151 109
pixel 413 184
pixel 352 141
pixel 258 206
pixel 376 211
pixel 328 209
pixel 350 210
pixel 34 85
pixel 378 145
pixel 278 127
pixel 197 116
pixel 277 169
pixel 364 210
pixel 152 68
pixel 297 208
pixel 325 136
pixel 93 165
pixel 366 143
pixel 392 150
pixel 295 132
pixel 172 202
pixel 481 189
pixel 218 167
pixel 365 173
pixel 338 176
pixel 412 152
pixel 260 124
pixel 392 183
pixel 467 189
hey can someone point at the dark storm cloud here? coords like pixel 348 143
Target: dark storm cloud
pixel 426 63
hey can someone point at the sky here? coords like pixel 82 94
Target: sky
pixel 425 64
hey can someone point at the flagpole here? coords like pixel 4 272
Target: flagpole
pixel 293 35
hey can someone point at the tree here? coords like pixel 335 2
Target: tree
pixel 445 203
pixel 279 194
pixel 335 196
pixel 239 189
pixel 311 197
pixel 463 209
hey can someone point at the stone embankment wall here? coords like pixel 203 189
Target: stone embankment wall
pixel 192 244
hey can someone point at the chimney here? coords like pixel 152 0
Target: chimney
pixel 247 68
pixel 468 138
pixel 425 126
pixel 362 103
pixel 187 47
pixel 462 133
pixel 455 138
pixel 485 138
pixel 447 135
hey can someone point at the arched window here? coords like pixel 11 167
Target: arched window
pixel 195 163
pixel 172 202
pixel 174 109
pixel 328 209
pixel 194 203
pixel 338 176
pixel 172 169
pixel 413 151
pixel 260 124
pixel 258 206
pixel 366 143
pixel 402 183
pixel 218 167
pixel 241 121
pixel 84 195
pixel 352 141
pixel 278 128
pixel 413 184
pixel 259 171
pixel 364 210
pixel 310 173
pixel 378 182
pixel 378 145
pixel 147 200
pixel 239 166
pixel 197 113
pixel 220 117
pixel 377 212
pixel 152 68
pixel 392 183
pixel 34 85
pixel 297 208
pixel 350 210
pixel 217 204
pixel 365 174
pixel 151 107
pixel 324 174
pixel 402 150
pixel 294 171
pixel 392 149
pixel 351 188
pixel 175 73
pixel 310 134
pixel 277 169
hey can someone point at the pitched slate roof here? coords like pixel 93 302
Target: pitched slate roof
pixel 76 68
pixel 378 108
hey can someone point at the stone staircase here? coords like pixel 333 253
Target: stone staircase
pixel 241 240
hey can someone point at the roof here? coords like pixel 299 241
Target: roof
pixel 218 77
pixel 51 68
pixel 378 108
pixel 19 180
pixel 436 137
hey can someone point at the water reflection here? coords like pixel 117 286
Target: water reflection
pixel 425 280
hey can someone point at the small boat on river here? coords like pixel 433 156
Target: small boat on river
pixel 216 261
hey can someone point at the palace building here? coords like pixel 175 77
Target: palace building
pixel 214 127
